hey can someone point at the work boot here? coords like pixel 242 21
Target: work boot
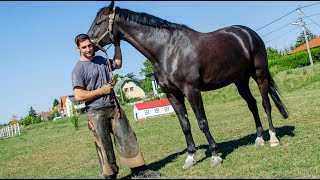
pixel 147 174
pixel 113 176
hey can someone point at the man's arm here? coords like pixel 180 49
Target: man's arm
pixel 84 95
pixel 117 55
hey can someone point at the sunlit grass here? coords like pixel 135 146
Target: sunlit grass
pixel 57 150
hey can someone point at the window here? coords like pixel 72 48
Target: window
pixel 125 89
pixel 166 109
pixel 131 88
pixel 156 110
pixel 146 112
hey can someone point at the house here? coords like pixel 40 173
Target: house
pixel 152 108
pixel 44 115
pixel 68 103
pixel 130 88
pixel 312 44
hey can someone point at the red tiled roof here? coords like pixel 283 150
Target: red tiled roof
pixel 153 104
pixel 312 44
pixel 63 101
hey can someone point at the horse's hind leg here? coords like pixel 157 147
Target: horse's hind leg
pixel 263 84
pixel 195 100
pixel 177 102
pixel 244 91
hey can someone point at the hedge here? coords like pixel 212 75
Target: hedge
pixel 299 59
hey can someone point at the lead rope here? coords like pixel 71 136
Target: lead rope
pixel 113 95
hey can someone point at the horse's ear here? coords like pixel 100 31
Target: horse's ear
pixel 111 5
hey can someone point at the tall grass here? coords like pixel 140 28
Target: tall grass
pixel 57 150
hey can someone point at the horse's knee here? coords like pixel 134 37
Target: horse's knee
pixel 203 125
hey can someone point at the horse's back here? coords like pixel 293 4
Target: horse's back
pixel 227 55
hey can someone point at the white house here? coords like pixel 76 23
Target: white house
pixel 67 102
pixel 152 108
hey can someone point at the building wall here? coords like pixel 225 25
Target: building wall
pixel 144 113
pixel 68 107
pixel 132 93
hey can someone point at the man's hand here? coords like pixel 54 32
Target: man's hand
pixel 106 89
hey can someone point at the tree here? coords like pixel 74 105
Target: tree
pixel 55 103
pixel 273 53
pixel 32 112
pixel 302 40
pixel 132 76
pixel 117 76
pixel 146 83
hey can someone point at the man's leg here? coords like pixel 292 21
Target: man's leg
pixel 99 124
pixel 128 148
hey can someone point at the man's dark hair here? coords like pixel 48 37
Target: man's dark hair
pixel 80 38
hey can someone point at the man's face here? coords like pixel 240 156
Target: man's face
pixel 86 49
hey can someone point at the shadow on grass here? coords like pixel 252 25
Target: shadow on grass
pixel 225 147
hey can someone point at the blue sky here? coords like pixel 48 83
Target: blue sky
pixel 38 51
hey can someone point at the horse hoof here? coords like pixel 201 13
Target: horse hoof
pixel 274 143
pixel 188 164
pixel 259 142
pixel 216 160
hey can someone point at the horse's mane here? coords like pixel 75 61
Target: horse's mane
pixel 145 19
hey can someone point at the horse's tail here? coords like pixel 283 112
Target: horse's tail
pixel 273 90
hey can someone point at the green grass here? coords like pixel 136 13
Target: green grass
pixel 57 150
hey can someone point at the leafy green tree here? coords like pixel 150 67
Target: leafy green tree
pixel 146 83
pixel 117 76
pixel 55 103
pixel 32 112
pixel 273 53
pixel 302 40
pixel 147 69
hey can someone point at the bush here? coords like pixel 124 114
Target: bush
pixel 299 59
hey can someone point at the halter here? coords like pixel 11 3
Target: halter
pixel 109 31
pixel 96 43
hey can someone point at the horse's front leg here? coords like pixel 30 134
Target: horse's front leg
pixel 195 99
pixel 177 102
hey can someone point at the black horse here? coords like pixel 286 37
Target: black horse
pixel 187 62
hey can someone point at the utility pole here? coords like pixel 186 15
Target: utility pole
pixel 305 34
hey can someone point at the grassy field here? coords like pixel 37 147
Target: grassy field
pixel 57 150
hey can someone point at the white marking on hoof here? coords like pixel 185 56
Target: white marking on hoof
pixel 189 161
pixel 259 142
pixel 216 160
pixel 274 141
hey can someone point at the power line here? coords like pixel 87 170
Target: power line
pixel 309 5
pixel 278 29
pixel 282 34
pixel 276 19
pixel 310 19
pixel 286 15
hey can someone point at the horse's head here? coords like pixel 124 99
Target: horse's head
pixel 101 30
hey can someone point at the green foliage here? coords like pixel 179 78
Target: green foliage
pixel 74 118
pixel 116 76
pixel 54 114
pixel 273 53
pixel 302 40
pixel 32 112
pixel 146 84
pixel 55 103
pixel 299 59
pixel 31 120
pixel 147 69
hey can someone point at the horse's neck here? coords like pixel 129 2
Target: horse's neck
pixel 149 41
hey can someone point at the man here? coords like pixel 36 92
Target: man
pixel 90 82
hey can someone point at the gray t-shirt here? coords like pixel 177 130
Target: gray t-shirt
pixel 92 75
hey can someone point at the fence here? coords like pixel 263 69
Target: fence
pixel 10 131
